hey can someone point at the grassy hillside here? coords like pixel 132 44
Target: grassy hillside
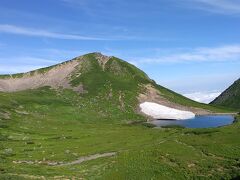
pixel 42 126
pixel 43 129
pixel 230 97
pixel 118 77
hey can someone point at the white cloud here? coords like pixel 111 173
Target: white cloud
pixel 223 53
pixel 12 65
pixel 205 82
pixel 64 53
pixel 11 29
pixel 216 6
pixel 26 60
pixel 203 97
pixel 11 69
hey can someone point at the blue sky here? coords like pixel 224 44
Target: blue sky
pixel 190 46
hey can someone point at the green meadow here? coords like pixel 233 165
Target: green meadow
pixel 41 126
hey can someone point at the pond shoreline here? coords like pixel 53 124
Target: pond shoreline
pixel 200 121
pixel 233 114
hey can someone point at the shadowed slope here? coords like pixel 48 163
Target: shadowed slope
pixel 230 97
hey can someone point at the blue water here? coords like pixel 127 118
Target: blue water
pixel 206 121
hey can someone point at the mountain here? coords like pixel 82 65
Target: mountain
pixel 97 75
pixel 81 120
pixel 230 97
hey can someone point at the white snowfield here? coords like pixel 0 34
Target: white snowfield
pixel 158 111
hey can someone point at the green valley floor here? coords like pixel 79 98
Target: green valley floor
pixel 60 135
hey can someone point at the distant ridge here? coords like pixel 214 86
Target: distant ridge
pixel 230 97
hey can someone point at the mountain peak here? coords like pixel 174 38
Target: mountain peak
pixel 102 59
pixel 98 54
pixel 94 66
pixel 97 75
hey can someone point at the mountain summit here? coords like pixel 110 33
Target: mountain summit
pixel 97 75
pixel 74 74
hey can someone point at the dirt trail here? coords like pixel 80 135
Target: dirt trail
pixel 88 158
pixel 78 161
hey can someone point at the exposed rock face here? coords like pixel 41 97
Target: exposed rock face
pixel 102 59
pixel 55 77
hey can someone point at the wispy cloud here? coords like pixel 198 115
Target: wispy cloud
pixel 12 29
pixel 12 65
pixel 12 69
pixel 27 60
pixel 62 53
pixel 199 82
pixel 215 54
pixel 203 97
pixel 216 6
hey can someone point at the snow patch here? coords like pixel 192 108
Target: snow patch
pixel 158 111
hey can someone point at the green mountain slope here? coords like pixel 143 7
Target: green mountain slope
pixel 230 97
pixel 97 75
pixel 62 122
